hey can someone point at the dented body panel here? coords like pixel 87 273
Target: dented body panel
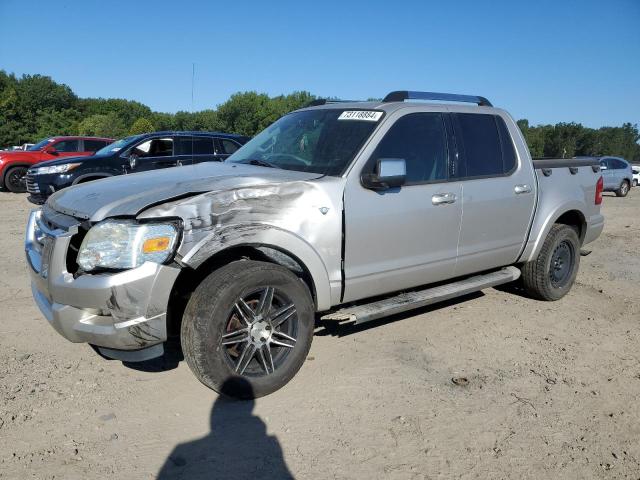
pixel 300 218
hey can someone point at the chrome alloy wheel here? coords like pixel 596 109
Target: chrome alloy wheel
pixel 260 332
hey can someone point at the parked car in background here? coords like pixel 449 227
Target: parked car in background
pixel 14 164
pixel 138 153
pixel 353 211
pixel 636 175
pixel 617 175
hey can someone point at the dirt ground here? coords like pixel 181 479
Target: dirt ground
pixel 553 391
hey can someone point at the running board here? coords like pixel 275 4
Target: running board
pixel 410 300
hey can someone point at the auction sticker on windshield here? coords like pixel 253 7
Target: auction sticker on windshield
pixel 367 115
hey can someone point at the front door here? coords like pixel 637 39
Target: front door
pixel 408 236
pixel 64 148
pixel 152 154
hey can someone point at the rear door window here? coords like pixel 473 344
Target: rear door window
pixel 195 146
pixel 618 164
pixel 67 146
pixel 484 145
pixel 419 139
pixel 94 145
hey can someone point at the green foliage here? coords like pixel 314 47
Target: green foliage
pixel 33 107
pixel 566 140
pixel 103 125
pixel 141 125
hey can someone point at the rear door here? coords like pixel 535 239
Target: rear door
pixel 91 146
pixel 194 149
pixel 608 174
pixel 498 192
pixel 403 237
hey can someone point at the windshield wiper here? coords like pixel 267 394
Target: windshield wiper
pixel 260 163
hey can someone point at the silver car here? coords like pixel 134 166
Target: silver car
pixel 617 175
pixel 347 212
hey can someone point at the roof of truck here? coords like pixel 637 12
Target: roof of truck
pixel 404 98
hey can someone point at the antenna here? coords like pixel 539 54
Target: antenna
pixel 193 76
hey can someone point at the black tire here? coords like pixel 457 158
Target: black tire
pixel 14 179
pixel 213 308
pixel 551 275
pixel 623 190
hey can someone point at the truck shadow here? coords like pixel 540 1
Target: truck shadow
pixel 237 447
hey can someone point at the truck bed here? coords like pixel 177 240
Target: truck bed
pixel 564 185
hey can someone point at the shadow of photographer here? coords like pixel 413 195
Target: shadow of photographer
pixel 237 447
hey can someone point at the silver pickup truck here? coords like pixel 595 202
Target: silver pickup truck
pixel 345 212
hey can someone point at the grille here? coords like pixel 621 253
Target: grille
pixel 32 185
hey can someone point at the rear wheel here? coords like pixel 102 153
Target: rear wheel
pixel 15 180
pixel 551 275
pixel 247 328
pixel 623 190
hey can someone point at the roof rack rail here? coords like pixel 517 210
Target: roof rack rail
pixel 324 101
pixel 402 95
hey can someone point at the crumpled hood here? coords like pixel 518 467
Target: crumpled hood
pixel 128 195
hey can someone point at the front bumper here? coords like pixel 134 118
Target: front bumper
pixel 121 311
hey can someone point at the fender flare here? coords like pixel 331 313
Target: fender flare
pixel 95 176
pixel 257 234
pixel 534 245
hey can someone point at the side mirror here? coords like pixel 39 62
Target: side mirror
pixel 51 150
pixel 389 173
pixel 133 160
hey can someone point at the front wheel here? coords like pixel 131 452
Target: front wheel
pixel 15 180
pixel 635 182
pixel 623 190
pixel 247 328
pixel 551 275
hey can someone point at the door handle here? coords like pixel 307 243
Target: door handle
pixel 523 188
pixel 443 198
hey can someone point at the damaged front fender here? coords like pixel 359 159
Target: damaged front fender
pixel 301 218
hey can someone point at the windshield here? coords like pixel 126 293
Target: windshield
pixel 40 145
pixel 320 141
pixel 117 145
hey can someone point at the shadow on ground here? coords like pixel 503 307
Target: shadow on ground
pixel 238 447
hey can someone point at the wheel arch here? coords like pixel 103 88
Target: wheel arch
pixel 87 177
pixel 567 214
pixel 194 273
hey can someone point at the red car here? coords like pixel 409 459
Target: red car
pixel 14 164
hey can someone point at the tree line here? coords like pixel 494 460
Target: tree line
pixel 33 107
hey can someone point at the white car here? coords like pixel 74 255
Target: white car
pixel 636 175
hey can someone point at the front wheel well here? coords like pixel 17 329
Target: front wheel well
pixel 89 178
pixel 190 278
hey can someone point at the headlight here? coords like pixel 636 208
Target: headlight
pixel 55 169
pixel 121 244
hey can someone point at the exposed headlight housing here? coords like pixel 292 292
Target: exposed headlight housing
pixel 124 244
pixel 55 169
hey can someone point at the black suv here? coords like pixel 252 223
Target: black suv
pixel 137 153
